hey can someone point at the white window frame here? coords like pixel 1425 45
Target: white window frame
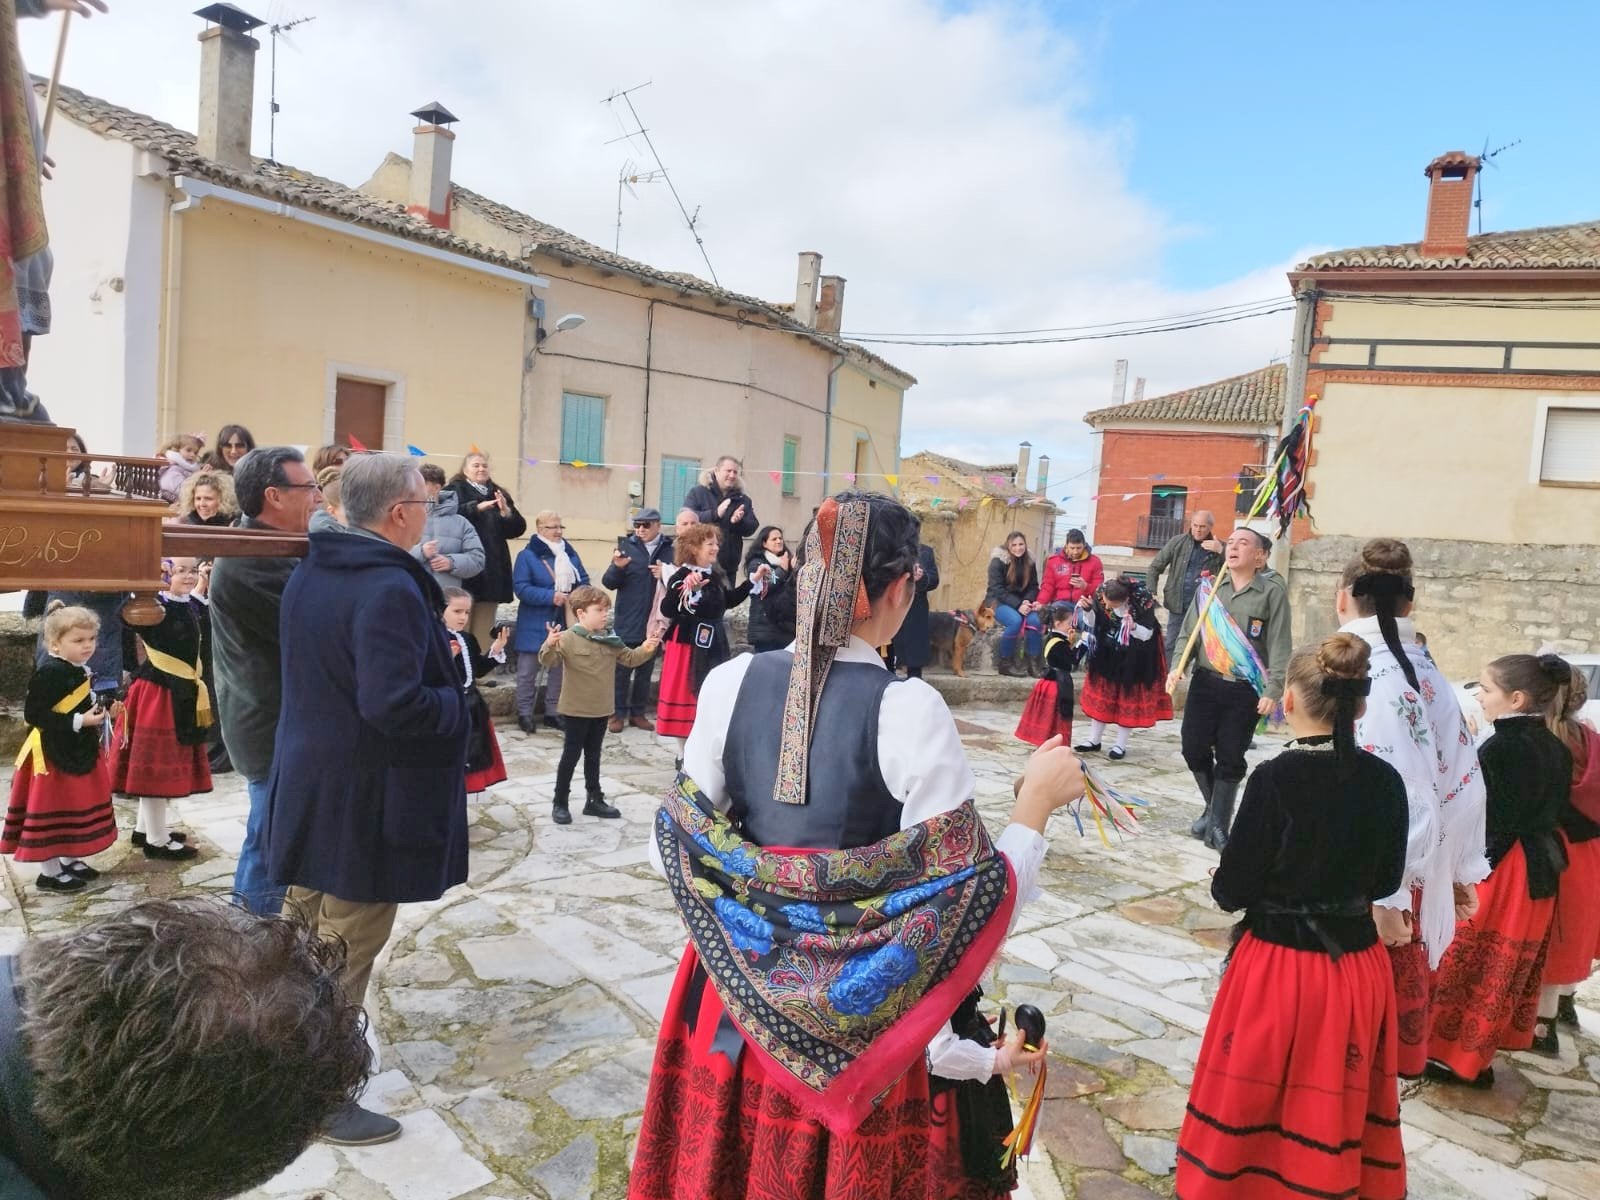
pixel 394 401
pixel 1541 421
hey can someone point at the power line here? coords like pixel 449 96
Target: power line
pixel 1203 312
pixel 1143 331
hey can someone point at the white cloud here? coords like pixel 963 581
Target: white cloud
pixel 940 161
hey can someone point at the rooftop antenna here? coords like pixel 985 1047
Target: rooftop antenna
pixel 626 178
pixel 641 131
pixel 1487 158
pixel 278 29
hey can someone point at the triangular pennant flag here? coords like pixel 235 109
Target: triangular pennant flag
pixel 776 475
pixel 1158 477
pixel 850 476
pixel 1011 503
pixel 631 466
pixel 963 502
pixel 578 462
pixel 937 502
pixel 532 462
pixel 355 444
pixel 1238 489
pixel 473 449
pixel 1126 496
pixel 416 451
pixel 931 478
pixel 894 480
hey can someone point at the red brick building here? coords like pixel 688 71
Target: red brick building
pixel 1164 458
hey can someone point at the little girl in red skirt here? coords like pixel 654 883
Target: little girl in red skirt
pixel 60 810
pixel 162 751
pixel 1125 684
pixel 485 767
pixel 1295 1092
pixel 1049 709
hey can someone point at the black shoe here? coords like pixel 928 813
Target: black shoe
pixel 560 813
pixel 1439 1073
pixel 553 722
pixel 1116 754
pixel 1219 817
pixel 1546 1042
pixel 488 683
pixel 170 853
pixel 1567 1011
pixel 353 1125
pixel 526 724
pixel 138 839
pixel 1087 747
pixel 1036 665
pixel 1205 783
pixel 61 883
pixel 596 806
pixel 79 869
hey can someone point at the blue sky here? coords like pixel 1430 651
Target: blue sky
pixel 1268 127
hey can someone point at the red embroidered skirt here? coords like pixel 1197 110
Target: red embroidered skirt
pixel 677 703
pixel 1294 1094
pixel 1486 990
pixel 947 1174
pixel 1040 720
pixel 1575 930
pixel 1413 985
pixel 715 1128
pixel 153 762
pixel 491 772
pixel 57 815
pixel 1132 706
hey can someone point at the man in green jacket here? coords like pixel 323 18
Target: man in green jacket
pixel 1185 558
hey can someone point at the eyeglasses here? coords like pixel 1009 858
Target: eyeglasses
pixel 424 503
pixel 645 524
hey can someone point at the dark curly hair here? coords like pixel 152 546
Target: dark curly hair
pixel 185 1049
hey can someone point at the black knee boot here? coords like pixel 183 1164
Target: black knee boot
pixel 1223 794
pixel 1198 829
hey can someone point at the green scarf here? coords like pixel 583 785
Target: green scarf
pixel 608 638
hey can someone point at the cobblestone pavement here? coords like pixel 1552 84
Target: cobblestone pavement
pixel 517 1015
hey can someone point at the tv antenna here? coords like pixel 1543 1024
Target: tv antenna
pixel 1487 158
pixel 278 30
pixel 661 168
pixel 626 178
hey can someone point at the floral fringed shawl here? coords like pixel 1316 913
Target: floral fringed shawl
pixel 837 966
pixel 22 227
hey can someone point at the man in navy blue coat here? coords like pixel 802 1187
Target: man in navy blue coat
pixel 368 806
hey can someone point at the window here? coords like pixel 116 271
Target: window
pixel 583 427
pixel 791 456
pixel 1249 483
pixel 1571 446
pixel 358 408
pixel 678 475
pixel 1167 502
pixel 861 457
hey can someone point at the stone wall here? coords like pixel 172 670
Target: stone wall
pixel 1475 600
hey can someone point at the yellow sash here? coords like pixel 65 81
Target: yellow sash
pixel 33 745
pixel 190 674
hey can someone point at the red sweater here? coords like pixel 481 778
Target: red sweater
pixel 1057 582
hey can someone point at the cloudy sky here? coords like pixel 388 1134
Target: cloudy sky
pixel 967 166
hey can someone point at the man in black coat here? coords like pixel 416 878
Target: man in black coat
pixel 635 568
pixel 276 491
pixel 720 500
pixel 368 806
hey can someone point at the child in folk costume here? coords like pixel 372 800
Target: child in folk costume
pixel 590 653
pixel 161 741
pixel 1486 990
pixel 485 767
pixel 60 810
pixel 695 600
pixel 1125 683
pixel 1414 722
pixel 1295 1090
pixel 1575 930
pixel 1049 710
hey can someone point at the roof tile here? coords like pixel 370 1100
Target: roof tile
pixel 1255 398
pixel 1551 246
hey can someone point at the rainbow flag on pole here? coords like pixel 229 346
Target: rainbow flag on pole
pixel 1226 647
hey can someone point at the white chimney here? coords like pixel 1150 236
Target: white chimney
pixel 830 307
pixel 430 165
pixel 1042 481
pixel 1119 382
pixel 227 85
pixel 1023 452
pixel 805 288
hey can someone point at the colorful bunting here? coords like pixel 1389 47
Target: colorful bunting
pixel 777 476
pixel 355 444
pixel 577 462
pixel 416 451
pixel 892 480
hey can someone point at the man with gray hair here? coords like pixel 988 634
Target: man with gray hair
pixel 277 492
pixel 368 804
pixel 719 499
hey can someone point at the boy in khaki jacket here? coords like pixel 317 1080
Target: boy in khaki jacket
pixel 589 655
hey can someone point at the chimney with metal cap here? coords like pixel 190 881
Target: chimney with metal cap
pixel 430 165
pixel 805 288
pixel 227 85
pixel 830 307
pixel 1042 475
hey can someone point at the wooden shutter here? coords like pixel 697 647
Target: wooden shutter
pixel 358 408
pixel 583 420
pixel 791 455
pixel 678 475
pixel 1571 446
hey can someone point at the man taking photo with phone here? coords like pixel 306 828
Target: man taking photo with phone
pixel 635 567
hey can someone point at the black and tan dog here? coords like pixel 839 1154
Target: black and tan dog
pixel 950 633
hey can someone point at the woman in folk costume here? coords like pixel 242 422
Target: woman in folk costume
pixel 1295 1090
pixel 1125 682
pixel 1486 990
pixel 1048 712
pixel 161 741
pixel 1575 929
pixel 841 904
pixel 1414 722
pixel 485 767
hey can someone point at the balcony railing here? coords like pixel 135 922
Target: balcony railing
pixel 1152 532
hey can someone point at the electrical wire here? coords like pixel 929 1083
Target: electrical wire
pixel 1203 312
pixel 1177 327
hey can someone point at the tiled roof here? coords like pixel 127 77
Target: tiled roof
pixel 1252 399
pixel 1553 247
pixel 914 468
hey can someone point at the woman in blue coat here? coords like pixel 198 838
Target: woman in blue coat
pixel 547 570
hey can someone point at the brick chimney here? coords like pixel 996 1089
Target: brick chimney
pixel 227 85
pixel 430 165
pixel 805 288
pixel 830 307
pixel 1450 179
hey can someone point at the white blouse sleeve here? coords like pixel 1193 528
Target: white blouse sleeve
pixel 952 1057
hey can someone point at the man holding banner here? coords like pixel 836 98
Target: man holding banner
pixel 1238 674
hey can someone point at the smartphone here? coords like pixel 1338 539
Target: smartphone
pixel 622 543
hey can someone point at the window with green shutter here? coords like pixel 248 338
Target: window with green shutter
pixel 583 428
pixel 791 458
pixel 678 475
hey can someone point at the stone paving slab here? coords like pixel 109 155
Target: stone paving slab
pixel 516 1016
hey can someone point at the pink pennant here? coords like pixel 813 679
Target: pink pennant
pixel 777 476
pixel 963 502
pixel 850 475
